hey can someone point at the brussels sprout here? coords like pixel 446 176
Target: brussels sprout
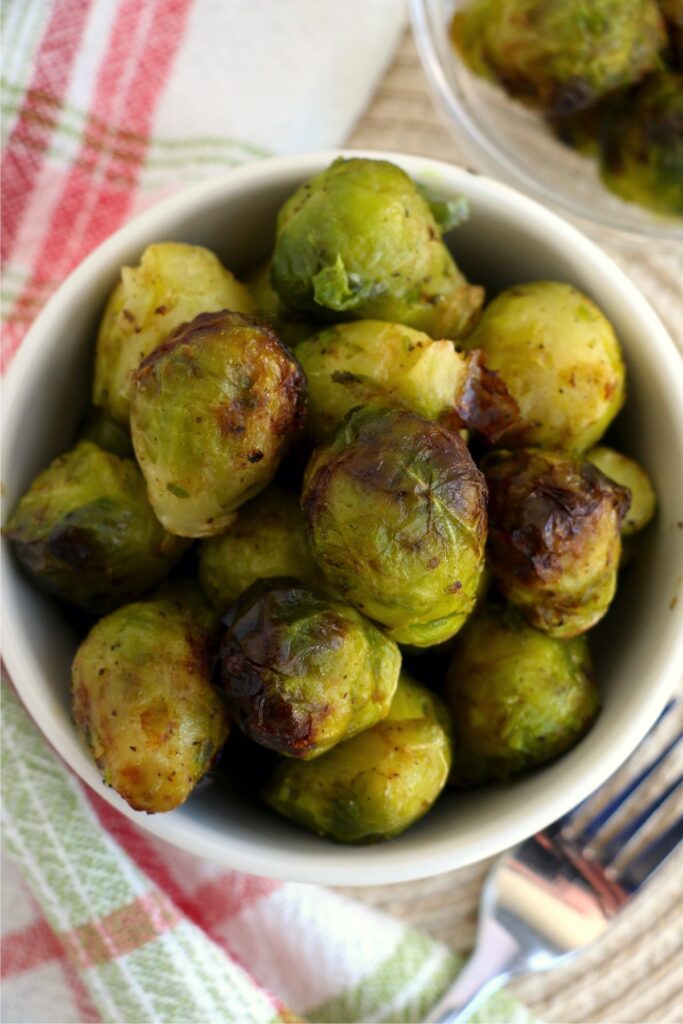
pixel 373 786
pixel 627 473
pixel 518 697
pixel 358 240
pixel 369 362
pixel 144 703
pixel 268 539
pixel 642 145
pixel 397 514
pixel 97 427
pixel 172 285
pixel 85 531
pixel 559 359
pixel 554 537
pixel 289 326
pixel 302 671
pixel 213 411
pixel 561 55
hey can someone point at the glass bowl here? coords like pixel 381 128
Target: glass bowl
pixel 511 142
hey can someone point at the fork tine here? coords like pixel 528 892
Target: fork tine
pixel 592 827
pixel 654 855
pixel 672 704
pixel 615 845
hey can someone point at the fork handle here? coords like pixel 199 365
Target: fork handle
pixel 489 967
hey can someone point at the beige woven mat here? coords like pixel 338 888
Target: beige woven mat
pixel 636 972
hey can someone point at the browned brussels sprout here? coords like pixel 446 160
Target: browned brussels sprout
pixel 379 783
pixel 359 241
pixel 554 537
pixel 397 513
pixel 213 411
pixel 642 145
pixel 518 697
pixel 561 55
pixel 301 671
pixel 85 531
pixel 267 539
pixel 172 285
pixel 143 700
pixel 627 473
pixel 560 360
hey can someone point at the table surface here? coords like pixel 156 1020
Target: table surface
pixel 635 973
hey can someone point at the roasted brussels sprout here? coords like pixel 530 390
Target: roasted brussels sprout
pixel 267 539
pixel 517 697
pixel 143 700
pixel 214 408
pixel 561 55
pixel 397 514
pixel 642 145
pixel 627 473
pixel 172 285
pixel 373 786
pixel 559 359
pixel 289 326
pixel 554 537
pixel 359 240
pixel 369 362
pixel 97 427
pixel 85 531
pixel 302 671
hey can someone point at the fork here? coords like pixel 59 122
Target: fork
pixel 547 898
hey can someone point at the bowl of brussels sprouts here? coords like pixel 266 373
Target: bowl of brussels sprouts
pixel 578 104
pixel 344 518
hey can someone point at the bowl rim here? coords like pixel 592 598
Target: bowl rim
pixel 331 864
pixel 459 120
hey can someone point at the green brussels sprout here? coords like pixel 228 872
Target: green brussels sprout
pixel 518 698
pixel 143 701
pixel 267 539
pixel 369 362
pixel 290 327
pixel 360 241
pixel 397 515
pixel 172 285
pixel 642 145
pixel 560 360
pixel 213 411
pixel 303 671
pixel 561 55
pixel 554 537
pixel 85 531
pixel 97 427
pixel 375 785
pixel 627 473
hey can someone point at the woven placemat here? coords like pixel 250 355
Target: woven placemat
pixel 635 973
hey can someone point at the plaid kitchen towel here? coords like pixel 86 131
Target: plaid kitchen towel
pixel 108 105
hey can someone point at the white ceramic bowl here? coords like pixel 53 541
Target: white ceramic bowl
pixel 639 647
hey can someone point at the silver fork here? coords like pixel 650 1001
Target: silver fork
pixel 547 898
